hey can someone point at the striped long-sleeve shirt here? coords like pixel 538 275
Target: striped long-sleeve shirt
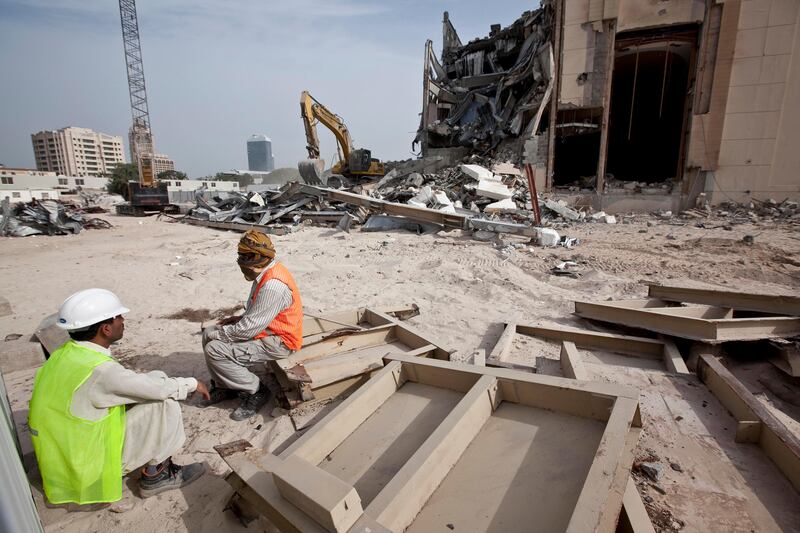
pixel 274 297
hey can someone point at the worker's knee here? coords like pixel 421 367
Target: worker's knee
pixel 216 350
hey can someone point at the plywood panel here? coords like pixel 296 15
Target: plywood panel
pixel 514 473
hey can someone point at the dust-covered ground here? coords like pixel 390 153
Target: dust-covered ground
pixel 175 277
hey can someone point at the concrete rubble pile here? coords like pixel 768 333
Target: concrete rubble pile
pixel 484 95
pixel 46 217
pixel 471 189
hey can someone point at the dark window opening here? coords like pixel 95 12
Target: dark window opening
pixel 577 147
pixel 650 88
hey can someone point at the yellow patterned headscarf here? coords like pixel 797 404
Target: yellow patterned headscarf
pixel 255 249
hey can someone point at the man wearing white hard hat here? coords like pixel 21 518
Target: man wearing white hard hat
pixel 93 421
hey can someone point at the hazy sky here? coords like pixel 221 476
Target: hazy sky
pixel 218 71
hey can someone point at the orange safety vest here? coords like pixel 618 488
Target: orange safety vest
pixel 288 325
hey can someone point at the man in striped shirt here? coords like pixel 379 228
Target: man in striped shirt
pixel 238 348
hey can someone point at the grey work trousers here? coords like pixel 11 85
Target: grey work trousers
pixel 241 365
pixel 153 432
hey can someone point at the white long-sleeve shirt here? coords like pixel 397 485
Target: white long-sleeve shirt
pixel 111 384
pixel 274 297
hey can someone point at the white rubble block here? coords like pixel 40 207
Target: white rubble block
pixel 598 216
pixel 561 208
pixel 478 172
pixel 610 219
pixel 503 206
pixel 443 203
pixel 548 237
pixel 494 190
pixel 423 197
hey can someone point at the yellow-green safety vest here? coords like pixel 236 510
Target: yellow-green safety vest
pixel 80 460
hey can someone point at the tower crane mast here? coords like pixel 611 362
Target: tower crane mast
pixel 145 194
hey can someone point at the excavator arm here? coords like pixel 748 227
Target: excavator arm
pixel 353 163
pixel 312 112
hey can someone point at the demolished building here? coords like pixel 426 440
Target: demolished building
pixel 657 102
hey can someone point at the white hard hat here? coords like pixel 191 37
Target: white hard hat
pixel 88 307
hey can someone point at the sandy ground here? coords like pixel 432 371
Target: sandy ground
pixel 465 289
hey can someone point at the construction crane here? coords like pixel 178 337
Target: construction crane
pixel 353 163
pixel 144 195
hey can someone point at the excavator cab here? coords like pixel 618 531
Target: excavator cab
pixel 359 161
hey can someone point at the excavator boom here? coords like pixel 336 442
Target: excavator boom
pixel 312 112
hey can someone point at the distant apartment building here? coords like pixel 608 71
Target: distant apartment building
pixel 259 153
pixel 77 151
pixel 162 163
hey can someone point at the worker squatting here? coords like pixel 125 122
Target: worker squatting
pixel 92 421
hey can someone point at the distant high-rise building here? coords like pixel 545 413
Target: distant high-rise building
pixel 259 153
pixel 77 151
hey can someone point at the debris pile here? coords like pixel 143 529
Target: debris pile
pixel 489 90
pixel 470 189
pixel 746 213
pixel 46 217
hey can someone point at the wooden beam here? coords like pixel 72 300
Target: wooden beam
pixel 595 340
pixel 634 518
pixel 777 441
pixel 586 399
pixel 399 502
pixel 745 301
pixel 599 483
pixel 340 344
pixel 571 363
pixel 328 500
pixel 322 439
pixel 672 357
pixel 259 490
pixel 706 330
pixel 410 335
pixel 504 343
pixel 332 321
pixel 615 500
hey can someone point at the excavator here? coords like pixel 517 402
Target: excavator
pixel 353 165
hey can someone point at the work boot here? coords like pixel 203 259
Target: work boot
pixel 169 476
pixel 219 394
pixel 251 403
